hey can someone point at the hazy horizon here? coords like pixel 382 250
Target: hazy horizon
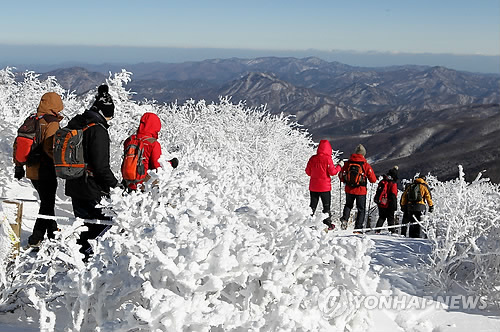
pixel 54 56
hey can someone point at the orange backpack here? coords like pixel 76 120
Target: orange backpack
pixel 133 170
pixel 355 174
pixel 69 159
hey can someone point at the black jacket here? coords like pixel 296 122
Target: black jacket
pixel 96 183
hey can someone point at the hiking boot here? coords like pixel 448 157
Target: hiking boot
pixel 34 246
pixel 34 242
pixel 357 232
pixel 343 224
pixel 331 227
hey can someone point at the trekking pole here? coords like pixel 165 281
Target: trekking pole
pixel 340 198
pixel 368 219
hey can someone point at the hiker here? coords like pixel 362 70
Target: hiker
pixel 40 165
pixel 87 190
pixel 320 167
pixel 145 140
pixel 355 174
pixel 386 199
pixel 413 205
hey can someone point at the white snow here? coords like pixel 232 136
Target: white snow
pixel 225 241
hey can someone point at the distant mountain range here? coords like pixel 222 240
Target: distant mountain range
pixel 422 118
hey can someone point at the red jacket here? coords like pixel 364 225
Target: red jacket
pixel 368 170
pixel 392 195
pixel 320 167
pixel 149 127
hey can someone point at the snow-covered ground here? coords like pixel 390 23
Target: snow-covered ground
pixel 397 260
pixel 225 242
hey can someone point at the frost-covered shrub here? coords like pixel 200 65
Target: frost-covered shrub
pixel 221 243
pixel 465 233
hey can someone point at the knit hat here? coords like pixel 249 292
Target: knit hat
pixel 360 149
pixel 103 103
pixel 393 173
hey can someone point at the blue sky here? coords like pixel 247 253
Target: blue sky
pixel 439 26
pixel 462 35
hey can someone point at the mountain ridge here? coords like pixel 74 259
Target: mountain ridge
pixel 345 104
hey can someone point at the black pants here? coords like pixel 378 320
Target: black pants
pixel 360 205
pixel 86 209
pixel 326 200
pixel 46 188
pixel 411 217
pixel 386 214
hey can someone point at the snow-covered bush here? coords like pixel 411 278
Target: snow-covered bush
pixel 465 233
pixel 221 243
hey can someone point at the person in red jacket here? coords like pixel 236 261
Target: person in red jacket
pixel 149 127
pixel 355 174
pixel 389 204
pixel 320 167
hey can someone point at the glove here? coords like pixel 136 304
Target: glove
pixel 174 162
pixel 431 208
pixel 341 163
pixel 19 172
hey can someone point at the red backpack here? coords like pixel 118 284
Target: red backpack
pixel 133 170
pixel 27 147
pixel 382 194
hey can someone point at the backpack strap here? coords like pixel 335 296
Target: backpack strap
pixel 88 126
pixel 88 171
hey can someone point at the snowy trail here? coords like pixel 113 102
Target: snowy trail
pixel 24 190
pixel 399 263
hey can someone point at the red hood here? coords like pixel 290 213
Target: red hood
pixel 150 125
pixel 357 157
pixel 324 147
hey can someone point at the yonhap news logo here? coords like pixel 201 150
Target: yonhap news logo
pixel 338 301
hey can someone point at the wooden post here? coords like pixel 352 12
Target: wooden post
pixel 16 224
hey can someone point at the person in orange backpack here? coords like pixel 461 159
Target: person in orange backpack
pixel 320 168
pixel 413 204
pixel 142 151
pixel 356 173
pixel 87 190
pixel 40 165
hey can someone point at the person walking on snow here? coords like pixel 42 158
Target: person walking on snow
pixel 41 171
pixel 149 127
pixel 387 199
pixel 413 202
pixel 87 191
pixel 320 168
pixel 355 173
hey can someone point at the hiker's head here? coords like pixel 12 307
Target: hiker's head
pixel 393 173
pixel 360 149
pixel 103 103
pixel 50 102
